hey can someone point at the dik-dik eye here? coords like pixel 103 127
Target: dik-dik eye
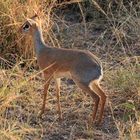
pixel 26 27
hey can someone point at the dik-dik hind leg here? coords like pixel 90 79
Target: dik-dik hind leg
pixel 85 87
pixel 96 88
pixel 58 82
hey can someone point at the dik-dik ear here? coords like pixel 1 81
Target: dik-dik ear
pixel 34 17
pixel 37 19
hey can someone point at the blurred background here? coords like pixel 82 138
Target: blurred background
pixel 108 28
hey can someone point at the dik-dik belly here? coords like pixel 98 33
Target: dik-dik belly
pixel 61 74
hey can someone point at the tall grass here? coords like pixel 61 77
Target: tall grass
pixel 122 21
pixel 12 15
pixel 20 98
pixel 125 82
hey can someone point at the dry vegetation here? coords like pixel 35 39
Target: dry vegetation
pixel 109 29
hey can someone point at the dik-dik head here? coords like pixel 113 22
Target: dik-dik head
pixel 29 26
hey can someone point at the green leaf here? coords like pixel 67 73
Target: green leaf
pixel 128 106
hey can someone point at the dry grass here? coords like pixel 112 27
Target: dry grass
pixel 21 100
pixel 111 33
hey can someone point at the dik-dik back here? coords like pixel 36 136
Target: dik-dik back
pixel 82 66
pixel 70 60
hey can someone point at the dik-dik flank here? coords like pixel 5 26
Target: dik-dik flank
pixel 81 66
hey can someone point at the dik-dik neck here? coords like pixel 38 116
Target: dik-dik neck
pixel 38 40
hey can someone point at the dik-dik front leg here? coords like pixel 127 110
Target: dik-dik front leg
pixel 58 82
pixel 46 86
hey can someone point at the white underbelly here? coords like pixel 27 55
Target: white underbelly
pixel 62 74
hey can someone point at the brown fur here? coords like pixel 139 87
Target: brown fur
pixel 82 66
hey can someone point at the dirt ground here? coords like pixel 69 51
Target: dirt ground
pixel 96 37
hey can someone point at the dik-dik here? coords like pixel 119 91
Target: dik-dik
pixel 82 66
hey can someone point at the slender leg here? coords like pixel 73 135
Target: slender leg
pixel 100 92
pixel 46 86
pixel 95 97
pixel 58 82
